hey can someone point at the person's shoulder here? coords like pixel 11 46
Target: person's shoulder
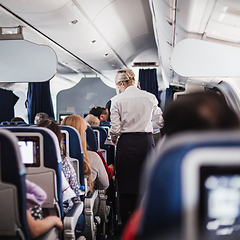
pixel 92 155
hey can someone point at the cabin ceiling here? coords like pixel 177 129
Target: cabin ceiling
pixel 89 37
pixel 100 37
pixel 209 20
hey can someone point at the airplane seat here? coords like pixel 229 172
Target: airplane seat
pixel 74 161
pixel 102 210
pixel 178 204
pixel 75 150
pixel 90 200
pixel 7 123
pixel 101 138
pixel 46 172
pixel 13 220
pixel 91 140
pixel 105 123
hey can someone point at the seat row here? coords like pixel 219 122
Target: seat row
pixel 44 170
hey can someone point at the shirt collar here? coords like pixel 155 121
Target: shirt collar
pixel 130 87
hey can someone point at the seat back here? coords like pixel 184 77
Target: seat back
pixel 75 150
pixel 7 123
pixel 46 171
pixel 176 204
pixel 74 161
pixel 91 139
pixel 102 135
pixel 13 222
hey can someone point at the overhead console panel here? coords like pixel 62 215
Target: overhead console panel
pixel 198 58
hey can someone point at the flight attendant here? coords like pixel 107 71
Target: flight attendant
pixel 133 114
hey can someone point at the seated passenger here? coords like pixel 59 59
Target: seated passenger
pixel 72 186
pixel 195 111
pixel 199 111
pixel 99 174
pixel 92 120
pixel 17 119
pixel 36 197
pixel 39 117
pixel 101 113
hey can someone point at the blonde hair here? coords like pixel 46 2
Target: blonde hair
pixel 125 75
pixel 92 120
pixel 80 125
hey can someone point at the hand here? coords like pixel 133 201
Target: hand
pixel 58 222
pixel 111 166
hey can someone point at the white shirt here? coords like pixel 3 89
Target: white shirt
pixel 134 110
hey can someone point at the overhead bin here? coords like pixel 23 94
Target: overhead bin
pixel 198 58
pixel 24 61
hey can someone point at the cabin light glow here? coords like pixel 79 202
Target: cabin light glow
pixel 221 17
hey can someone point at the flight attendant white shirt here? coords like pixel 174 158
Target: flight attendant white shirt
pixel 134 110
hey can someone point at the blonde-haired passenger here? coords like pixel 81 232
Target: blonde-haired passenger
pixel 92 120
pixel 99 174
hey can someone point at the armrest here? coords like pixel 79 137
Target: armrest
pixel 70 220
pixel 49 235
pixel 91 228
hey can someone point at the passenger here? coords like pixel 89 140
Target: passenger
pixel 38 226
pixel 101 113
pixel 99 173
pixel 17 119
pixel 96 111
pixel 40 116
pixel 104 115
pixel 132 114
pixel 92 120
pixel 108 107
pixel 71 187
pixel 195 111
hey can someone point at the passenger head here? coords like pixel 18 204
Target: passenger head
pixel 199 111
pixel 96 111
pixel 104 115
pixel 17 119
pixel 80 125
pixel 52 125
pixel 40 116
pixel 108 106
pixel 124 78
pixel 92 120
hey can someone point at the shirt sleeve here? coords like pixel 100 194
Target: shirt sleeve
pixel 35 194
pixel 157 118
pixel 109 170
pixel 115 121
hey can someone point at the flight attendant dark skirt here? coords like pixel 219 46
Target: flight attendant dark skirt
pixel 132 149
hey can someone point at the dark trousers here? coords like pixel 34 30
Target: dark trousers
pixel 127 204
